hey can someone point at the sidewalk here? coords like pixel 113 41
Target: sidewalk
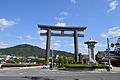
pixel 8 68
pixel 115 69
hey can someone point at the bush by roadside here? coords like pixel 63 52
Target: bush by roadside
pixel 19 65
pixel 85 66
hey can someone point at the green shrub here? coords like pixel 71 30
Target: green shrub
pixel 84 65
pixel 99 65
pixel 60 68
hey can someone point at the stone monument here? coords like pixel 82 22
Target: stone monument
pixel 91 45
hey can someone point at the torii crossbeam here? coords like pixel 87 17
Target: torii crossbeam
pixel 62 29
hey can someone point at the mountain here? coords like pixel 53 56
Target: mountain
pixel 30 50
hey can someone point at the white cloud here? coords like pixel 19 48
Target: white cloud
pixel 80 45
pixel 29 37
pixel 83 50
pixel 73 1
pixel 59 18
pixel 4 23
pixel 100 45
pixel 112 32
pixel 62 16
pixel 42 31
pixel 60 24
pixel 43 45
pixel 4 44
pixel 56 45
pixel 103 35
pixel 72 45
pixel 58 41
pixel 64 13
pixel 113 5
pixel 26 43
pixel 42 39
pixel 19 37
pixel 113 28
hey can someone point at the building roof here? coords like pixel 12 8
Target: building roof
pixel 90 41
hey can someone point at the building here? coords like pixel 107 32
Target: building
pixel 102 56
pixel 4 57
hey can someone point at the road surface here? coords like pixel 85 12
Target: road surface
pixel 45 74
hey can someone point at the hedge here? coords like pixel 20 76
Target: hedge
pixel 85 66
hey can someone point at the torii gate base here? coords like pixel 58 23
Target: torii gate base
pixel 62 29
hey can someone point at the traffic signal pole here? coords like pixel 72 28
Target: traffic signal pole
pixel 108 50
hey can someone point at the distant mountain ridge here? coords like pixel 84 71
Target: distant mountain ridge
pixel 30 50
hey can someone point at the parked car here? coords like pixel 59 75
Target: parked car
pixel 46 66
pixel 41 64
pixel 107 64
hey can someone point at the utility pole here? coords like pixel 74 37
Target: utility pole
pixel 52 60
pixel 108 50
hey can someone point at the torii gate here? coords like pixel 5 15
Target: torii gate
pixel 62 29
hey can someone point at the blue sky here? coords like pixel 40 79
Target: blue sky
pixel 19 20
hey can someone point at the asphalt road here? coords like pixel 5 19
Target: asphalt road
pixel 45 74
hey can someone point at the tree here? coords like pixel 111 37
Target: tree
pixel 65 60
pixel 60 61
pixel 55 60
pixel 81 58
pixel 17 60
pixel 70 60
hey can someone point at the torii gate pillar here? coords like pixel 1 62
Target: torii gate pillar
pixel 48 45
pixel 76 46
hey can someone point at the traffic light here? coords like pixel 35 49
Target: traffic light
pixel 112 45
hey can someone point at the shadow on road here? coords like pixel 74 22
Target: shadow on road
pixel 37 78
pixel 33 78
pixel 41 78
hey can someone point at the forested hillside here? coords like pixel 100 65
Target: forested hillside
pixel 29 50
